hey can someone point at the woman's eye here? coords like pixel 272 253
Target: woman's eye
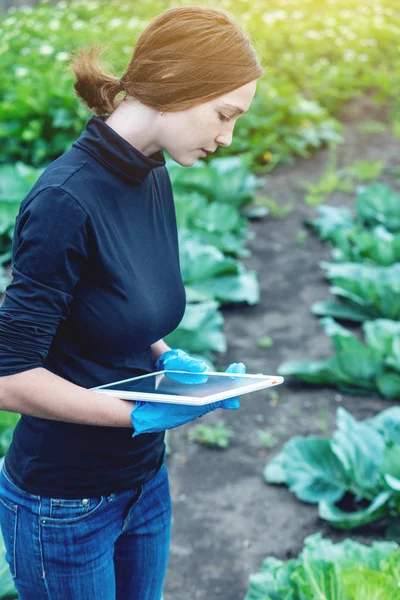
pixel 222 117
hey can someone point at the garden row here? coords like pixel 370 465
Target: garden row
pixel 366 279
pixel 316 56
pixel 354 476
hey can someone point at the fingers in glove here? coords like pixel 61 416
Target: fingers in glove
pixel 236 368
pixel 229 404
pixel 187 378
pixel 179 360
pixel 195 366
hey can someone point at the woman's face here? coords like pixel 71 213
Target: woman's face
pixel 184 133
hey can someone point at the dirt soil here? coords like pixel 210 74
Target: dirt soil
pixel 226 519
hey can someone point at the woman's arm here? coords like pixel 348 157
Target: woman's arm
pixel 159 348
pixel 40 393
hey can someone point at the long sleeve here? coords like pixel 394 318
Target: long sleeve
pixel 49 255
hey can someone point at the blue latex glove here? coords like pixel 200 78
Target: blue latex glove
pixel 152 417
pixel 179 360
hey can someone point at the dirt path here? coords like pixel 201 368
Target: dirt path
pixel 226 519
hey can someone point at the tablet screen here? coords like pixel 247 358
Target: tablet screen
pixel 196 385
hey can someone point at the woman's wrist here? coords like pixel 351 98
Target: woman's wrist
pixel 158 348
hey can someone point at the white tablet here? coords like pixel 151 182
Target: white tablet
pixel 183 387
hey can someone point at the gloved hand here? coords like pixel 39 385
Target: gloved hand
pixel 152 417
pixel 179 360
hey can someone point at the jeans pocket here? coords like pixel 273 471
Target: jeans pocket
pixel 9 524
pixel 65 511
pixel 61 508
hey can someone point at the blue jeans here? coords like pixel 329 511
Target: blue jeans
pixel 102 548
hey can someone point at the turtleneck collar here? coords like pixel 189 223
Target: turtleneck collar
pixel 115 153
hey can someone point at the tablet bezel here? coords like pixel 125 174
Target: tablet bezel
pixel 266 381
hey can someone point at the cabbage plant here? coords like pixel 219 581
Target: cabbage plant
pixel 373 236
pixel 326 571
pixel 359 465
pixel 378 204
pixel 200 331
pixel 356 368
pixel 222 179
pixel 352 242
pixel 214 276
pixel 366 291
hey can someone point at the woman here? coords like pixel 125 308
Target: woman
pixel 84 497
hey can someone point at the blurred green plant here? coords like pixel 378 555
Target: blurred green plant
pixel 301 237
pixel 265 341
pixel 39 121
pixel 275 209
pixel 266 438
pixel 374 238
pixel 274 398
pixel 216 436
pixel 370 127
pixel 316 56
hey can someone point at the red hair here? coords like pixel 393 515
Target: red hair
pixel 186 56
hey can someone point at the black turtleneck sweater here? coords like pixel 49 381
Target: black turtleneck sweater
pixel 96 281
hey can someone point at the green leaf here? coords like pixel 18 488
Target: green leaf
pixel 359 447
pixel 201 261
pixel 311 470
pixel 317 573
pixel 387 422
pixel 274 471
pixel 226 289
pixel 338 311
pixel 393 482
pixel 391 566
pixel 264 585
pixel 309 371
pixel 380 333
pixel 360 582
pixel 200 329
pixel 330 220
pixel 16 180
pixel 348 553
pixel 217 217
pixel 388 385
pixel 349 520
pixel 342 339
pixel 372 288
pixel 366 170
pixel 316 579
pixel 379 205
pixel 8 421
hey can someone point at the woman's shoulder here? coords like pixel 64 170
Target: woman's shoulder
pixel 60 181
